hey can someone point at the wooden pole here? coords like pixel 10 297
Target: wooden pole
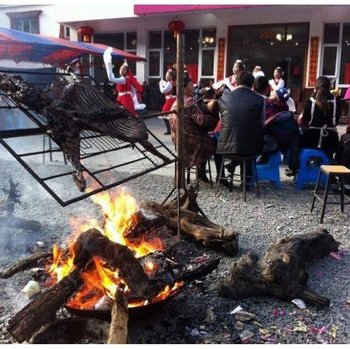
pixel 180 171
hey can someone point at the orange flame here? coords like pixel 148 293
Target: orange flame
pixel 165 293
pixel 99 280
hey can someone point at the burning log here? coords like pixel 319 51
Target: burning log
pixel 26 263
pixel 90 243
pixel 195 225
pixel 281 272
pixel 144 222
pixel 93 243
pixel 41 310
pixel 118 331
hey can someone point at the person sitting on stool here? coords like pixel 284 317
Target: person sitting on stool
pixel 242 116
pixel 198 146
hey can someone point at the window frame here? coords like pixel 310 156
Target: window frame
pixel 269 29
pixel 200 53
pixel 337 61
pixel 25 16
pixel 200 57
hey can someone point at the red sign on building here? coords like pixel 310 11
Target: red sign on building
pixel 221 59
pixel 314 44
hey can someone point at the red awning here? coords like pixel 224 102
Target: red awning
pixel 21 46
pixel 156 9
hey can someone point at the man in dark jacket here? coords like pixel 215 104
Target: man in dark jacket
pixel 242 115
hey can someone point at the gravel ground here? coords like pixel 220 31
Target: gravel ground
pixel 198 314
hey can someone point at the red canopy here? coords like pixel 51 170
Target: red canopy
pixel 21 46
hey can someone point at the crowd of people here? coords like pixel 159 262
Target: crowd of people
pixel 244 114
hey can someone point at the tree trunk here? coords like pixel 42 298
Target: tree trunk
pixel 281 272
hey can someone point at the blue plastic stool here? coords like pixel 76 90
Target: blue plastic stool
pixel 271 170
pixel 309 168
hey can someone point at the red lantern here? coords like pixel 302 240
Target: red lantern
pixel 86 33
pixel 176 26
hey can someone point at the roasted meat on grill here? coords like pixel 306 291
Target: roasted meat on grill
pixel 71 108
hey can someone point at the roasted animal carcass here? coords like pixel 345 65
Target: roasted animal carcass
pixel 71 108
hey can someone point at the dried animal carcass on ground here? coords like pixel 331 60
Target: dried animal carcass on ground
pixel 71 108
pixel 282 271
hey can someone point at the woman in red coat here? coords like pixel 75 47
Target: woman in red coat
pixel 125 93
pixel 124 84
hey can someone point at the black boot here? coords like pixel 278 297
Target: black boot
pixel 202 173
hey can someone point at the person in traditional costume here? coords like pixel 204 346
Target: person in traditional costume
pixel 168 88
pixel 127 85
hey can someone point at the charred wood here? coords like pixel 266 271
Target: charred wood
pixel 281 272
pixel 188 199
pixel 199 272
pixel 43 308
pixel 144 222
pixel 26 263
pixel 92 243
pixel 197 227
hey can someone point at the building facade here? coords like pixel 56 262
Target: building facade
pixel 304 40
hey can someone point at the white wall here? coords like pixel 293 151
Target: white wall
pixel 75 12
pixel 48 25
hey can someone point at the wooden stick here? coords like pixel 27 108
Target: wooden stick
pixel 26 263
pixel 118 331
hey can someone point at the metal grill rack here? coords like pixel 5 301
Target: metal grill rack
pixel 107 162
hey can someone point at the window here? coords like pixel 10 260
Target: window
pixel 199 50
pixel 329 60
pixel 122 41
pixel 336 52
pixel 169 51
pixel 208 45
pixel 269 46
pixel 154 64
pixel 207 63
pixel 27 21
pixel 67 32
pixel 131 41
pixel 344 76
pixel 331 33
